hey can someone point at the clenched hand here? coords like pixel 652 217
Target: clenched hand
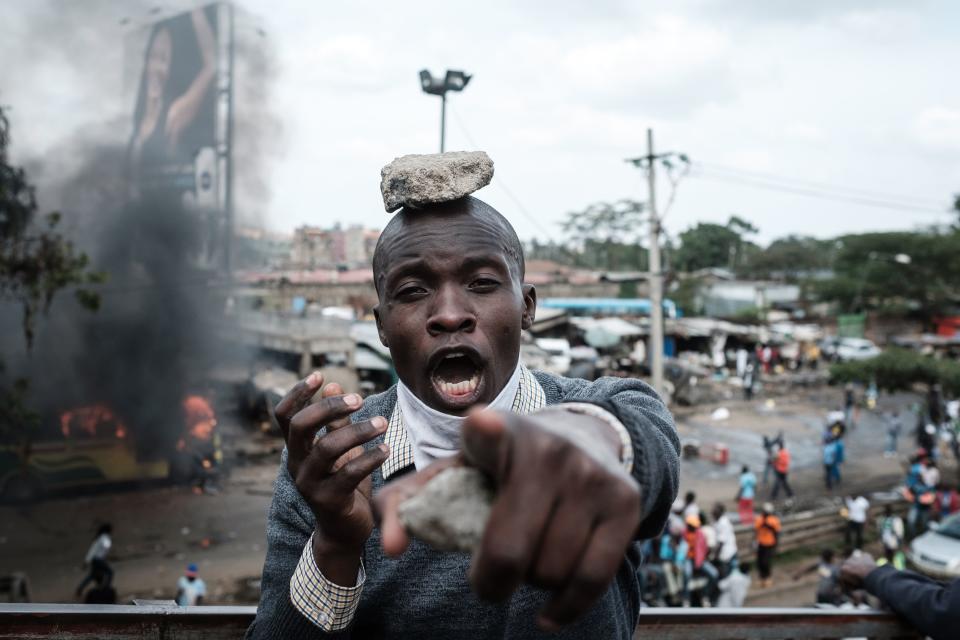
pixel 564 513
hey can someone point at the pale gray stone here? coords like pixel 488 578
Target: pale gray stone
pixel 450 512
pixel 419 180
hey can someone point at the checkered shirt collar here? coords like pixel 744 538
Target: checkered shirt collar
pixel 530 397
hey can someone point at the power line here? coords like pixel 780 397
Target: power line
pixel 500 182
pixel 822 186
pixel 820 194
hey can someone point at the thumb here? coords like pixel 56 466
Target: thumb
pixel 485 442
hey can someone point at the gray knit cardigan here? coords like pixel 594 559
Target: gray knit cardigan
pixel 424 594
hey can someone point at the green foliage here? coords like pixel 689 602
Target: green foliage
pixel 685 294
pixel 900 369
pixel 36 261
pixel 792 258
pixel 606 236
pixel 715 245
pixel 868 276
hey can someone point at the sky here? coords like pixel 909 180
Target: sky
pixel 855 95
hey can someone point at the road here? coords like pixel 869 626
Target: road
pixel 158 531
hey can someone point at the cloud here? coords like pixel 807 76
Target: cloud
pixel 938 128
pixel 671 65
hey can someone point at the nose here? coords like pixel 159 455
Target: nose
pixel 451 313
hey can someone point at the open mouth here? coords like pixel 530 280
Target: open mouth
pixel 458 377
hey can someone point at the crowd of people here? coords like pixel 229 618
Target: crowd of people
pixel 693 563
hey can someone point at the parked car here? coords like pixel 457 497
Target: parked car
pixel 937 552
pixel 856 349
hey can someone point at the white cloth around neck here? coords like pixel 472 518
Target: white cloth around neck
pixel 434 434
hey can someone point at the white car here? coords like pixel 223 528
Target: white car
pixel 937 552
pixel 856 349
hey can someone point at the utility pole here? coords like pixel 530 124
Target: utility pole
pixel 655 347
pixel 656 276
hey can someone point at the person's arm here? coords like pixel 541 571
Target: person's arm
pixel 577 488
pixel 184 108
pixel 313 576
pixel 656 447
pixel 930 607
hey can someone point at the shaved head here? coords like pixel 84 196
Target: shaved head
pixel 467 215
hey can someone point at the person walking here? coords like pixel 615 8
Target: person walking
pixel 769 446
pixel 726 553
pixel 829 462
pixel 767 532
pixel 749 381
pixel 894 427
pixel 849 405
pixel 191 589
pixel 746 494
pixel 857 509
pixel 891 537
pixel 781 467
pixel 95 562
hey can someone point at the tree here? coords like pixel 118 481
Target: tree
pixel 793 258
pixel 714 245
pixel 916 272
pixel 607 235
pixel 36 262
pixel 900 370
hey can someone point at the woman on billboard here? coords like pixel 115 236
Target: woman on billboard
pixel 174 116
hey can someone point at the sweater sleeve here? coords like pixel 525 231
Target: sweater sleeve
pixel 289 527
pixel 930 607
pixel 656 447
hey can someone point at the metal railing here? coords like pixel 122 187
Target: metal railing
pixel 128 622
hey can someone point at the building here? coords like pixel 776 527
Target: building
pixel 314 247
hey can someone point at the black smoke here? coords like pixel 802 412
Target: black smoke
pixel 157 335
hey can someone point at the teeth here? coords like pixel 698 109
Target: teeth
pixel 460 388
pixel 452 355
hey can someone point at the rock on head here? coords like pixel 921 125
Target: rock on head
pixel 419 180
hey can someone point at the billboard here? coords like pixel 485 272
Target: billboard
pixel 178 150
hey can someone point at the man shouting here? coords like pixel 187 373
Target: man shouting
pixel 582 470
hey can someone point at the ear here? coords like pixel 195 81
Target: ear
pixel 529 305
pixel 380 331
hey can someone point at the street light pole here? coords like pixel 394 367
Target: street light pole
pixel 452 81
pixel 443 119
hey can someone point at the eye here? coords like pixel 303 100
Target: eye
pixel 410 292
pixel 484 285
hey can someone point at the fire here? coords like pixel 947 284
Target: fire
pixel 92 421
pixel 201 419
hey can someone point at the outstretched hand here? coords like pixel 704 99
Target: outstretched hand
pixel 332 470
pixel 564 513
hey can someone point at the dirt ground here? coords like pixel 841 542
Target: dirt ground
pixel 158 531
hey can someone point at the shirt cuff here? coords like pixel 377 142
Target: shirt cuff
pixel 327 605
pixel 626 444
